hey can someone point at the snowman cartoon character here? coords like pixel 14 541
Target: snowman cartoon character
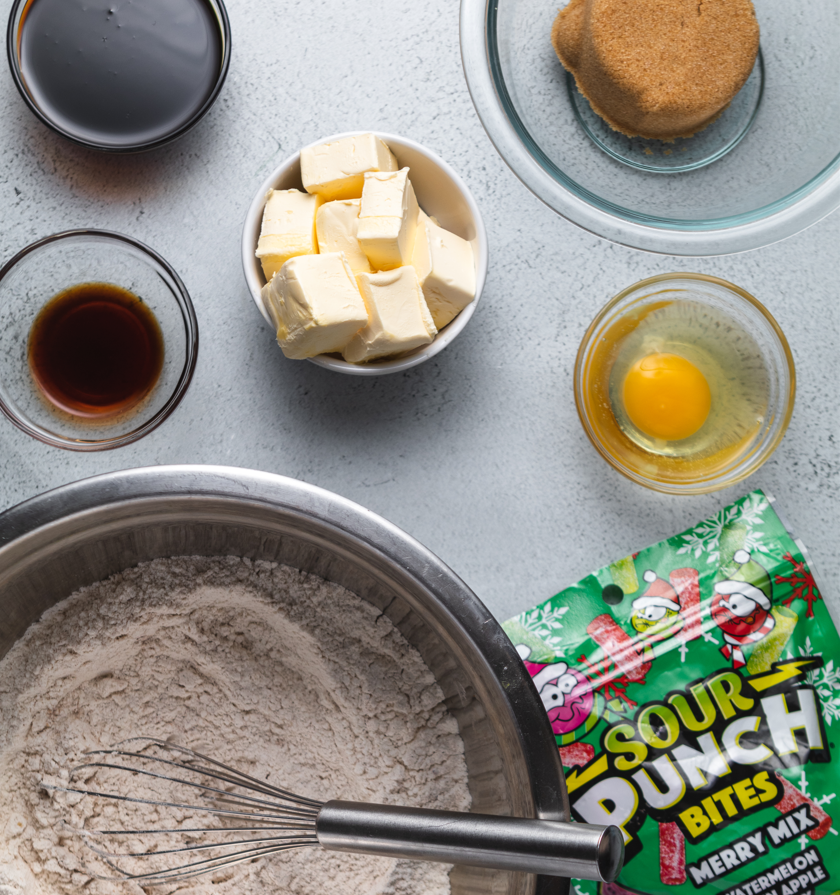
pixel 741 607
pixel 565 693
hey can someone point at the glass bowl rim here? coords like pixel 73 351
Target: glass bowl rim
pixel 800 209
pixel 188 317
pixel 15 15
pixel 724 479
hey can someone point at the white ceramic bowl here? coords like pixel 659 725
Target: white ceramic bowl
pixel 440 192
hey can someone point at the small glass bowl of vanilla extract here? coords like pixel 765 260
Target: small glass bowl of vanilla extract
pixel 98 340
pixel 685 383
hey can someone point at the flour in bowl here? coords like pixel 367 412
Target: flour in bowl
pixel 280 674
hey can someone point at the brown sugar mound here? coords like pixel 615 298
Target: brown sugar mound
pixel 657 68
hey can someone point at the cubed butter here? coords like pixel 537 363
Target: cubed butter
pixel 446 270
pixel 337 226
pixel 316 305
pixel 288 229
pixel 337 170
pixel 398 318
pixel 388 219
pixel 427 217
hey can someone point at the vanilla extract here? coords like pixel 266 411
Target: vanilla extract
pixel 96 350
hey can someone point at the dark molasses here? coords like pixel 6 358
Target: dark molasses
pixel 95 350
pixel 120 73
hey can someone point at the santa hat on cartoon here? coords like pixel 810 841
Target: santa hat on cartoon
pixel 659 593
pixel 752 582
pixel 542 673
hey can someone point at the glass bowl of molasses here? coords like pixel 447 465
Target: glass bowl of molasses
pixel 98 340
pixel 119 76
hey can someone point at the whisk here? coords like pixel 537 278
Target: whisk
pixel 247 818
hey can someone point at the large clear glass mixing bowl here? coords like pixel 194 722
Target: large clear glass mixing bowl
pixel 775 173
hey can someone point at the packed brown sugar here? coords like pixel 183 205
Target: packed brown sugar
pixel 658 68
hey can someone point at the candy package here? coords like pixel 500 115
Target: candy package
pixel 694 698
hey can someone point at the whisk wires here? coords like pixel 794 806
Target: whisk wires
pixel 247 818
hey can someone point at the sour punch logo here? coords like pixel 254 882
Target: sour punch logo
pixel 705 756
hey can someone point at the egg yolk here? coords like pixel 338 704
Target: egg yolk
pixel 666 396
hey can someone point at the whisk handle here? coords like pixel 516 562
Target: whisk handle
pixel 579 851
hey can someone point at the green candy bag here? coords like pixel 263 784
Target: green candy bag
pixel 691 689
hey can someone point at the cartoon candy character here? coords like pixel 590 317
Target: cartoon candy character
pixel 657 613
pixel 566 694
pixel 741 607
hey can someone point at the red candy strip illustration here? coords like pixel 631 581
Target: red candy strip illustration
pixel 671 855
pixel 686 582
pixel 793 798
pixel 619 647
pixel 576 755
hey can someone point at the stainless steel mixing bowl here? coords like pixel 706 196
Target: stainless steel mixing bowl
pixel 80 533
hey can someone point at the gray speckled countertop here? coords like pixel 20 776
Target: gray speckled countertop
pixel 479 453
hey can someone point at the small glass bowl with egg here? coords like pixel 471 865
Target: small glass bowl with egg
pixel 444 201
pixel 684 383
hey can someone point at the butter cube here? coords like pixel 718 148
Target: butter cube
pixel 398 317
pixel 446 270
pixel 315 305
pixel 388 219
pixel 288 229
pixel 336 170
pixel 428 217
pixel 337 226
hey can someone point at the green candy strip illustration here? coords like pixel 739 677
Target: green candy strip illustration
pixel 623 573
